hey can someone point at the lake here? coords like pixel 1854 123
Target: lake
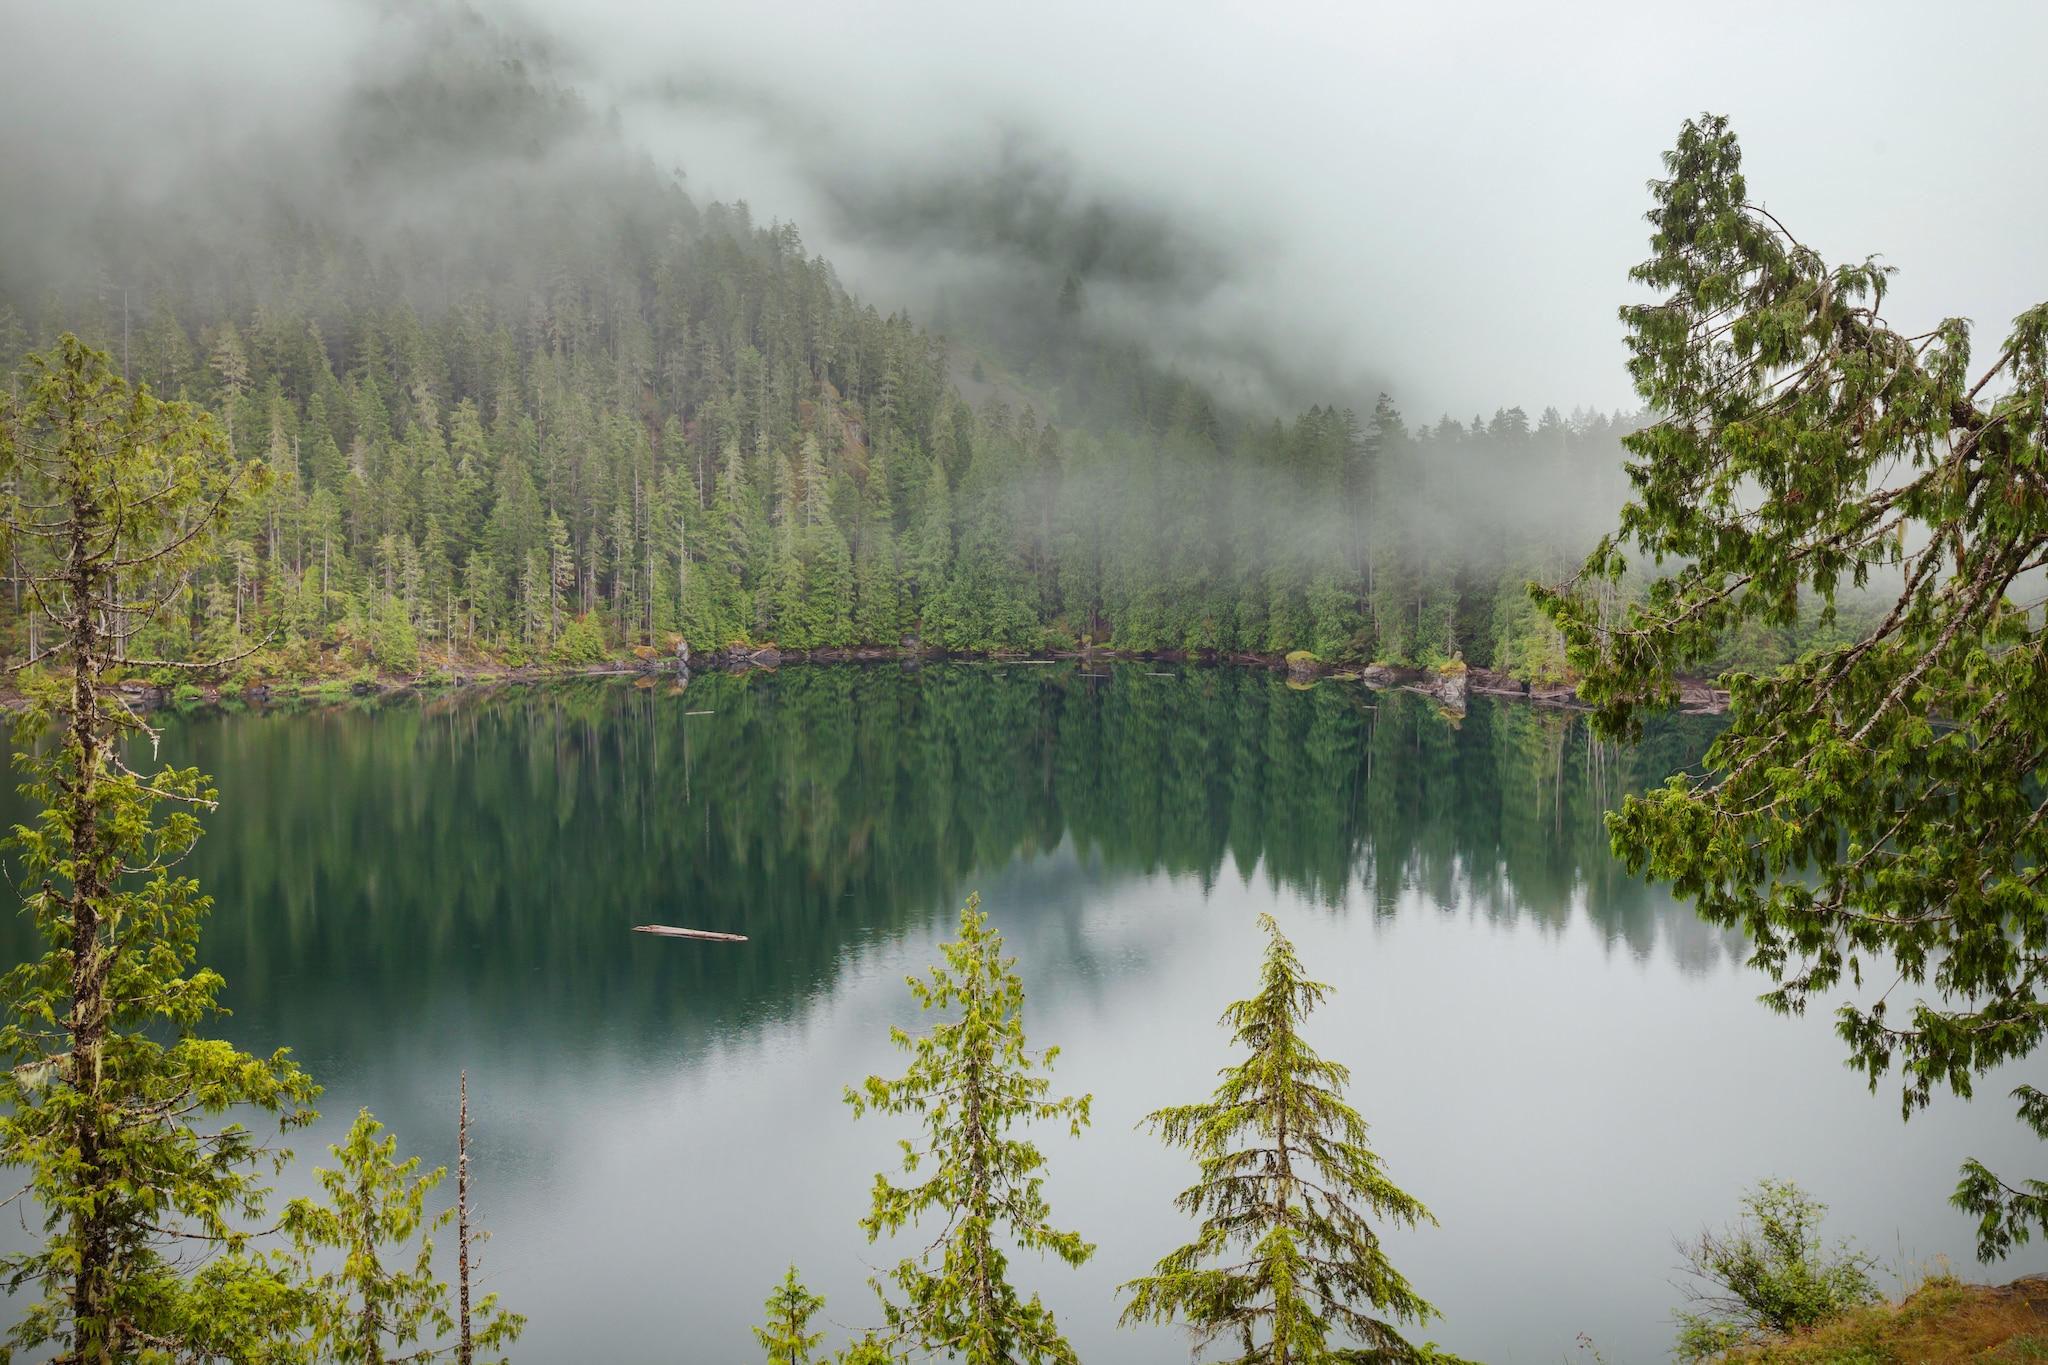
pixel 1559 1060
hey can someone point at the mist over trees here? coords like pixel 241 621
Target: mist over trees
pixel 524 395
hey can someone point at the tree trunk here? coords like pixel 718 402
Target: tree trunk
pixel 464 1346
pixel 91 1225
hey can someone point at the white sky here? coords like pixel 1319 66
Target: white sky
pixel 1442 199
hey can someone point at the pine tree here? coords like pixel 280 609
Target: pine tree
pixel 970 1080
pixel 534 402
pixel 108 1070
pixel 1285 1256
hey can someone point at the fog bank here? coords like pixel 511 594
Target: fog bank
pixel 1296 203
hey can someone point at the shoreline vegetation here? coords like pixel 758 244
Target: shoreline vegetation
pixel 1450 684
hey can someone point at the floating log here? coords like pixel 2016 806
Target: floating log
pixel 670 931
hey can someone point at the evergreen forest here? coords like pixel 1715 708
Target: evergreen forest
pixel 591 414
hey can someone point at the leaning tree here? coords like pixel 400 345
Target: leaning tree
pixel 1874 812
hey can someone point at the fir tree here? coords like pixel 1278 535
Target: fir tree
pixel 971 1080
pixel 1285 1258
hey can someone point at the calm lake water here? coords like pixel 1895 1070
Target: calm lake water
pixel 1561 1062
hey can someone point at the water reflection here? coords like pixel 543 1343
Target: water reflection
pixel 1565 1065
pixel 365 858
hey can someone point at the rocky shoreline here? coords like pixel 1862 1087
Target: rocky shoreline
pixel 1450 686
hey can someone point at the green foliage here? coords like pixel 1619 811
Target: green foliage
pixel 1875 804
pixel 2007 1214
pixel 1770 1275
pixel 971 1079
pixel 374 1202
pixel 110 1081
pixel 362 1311
pixel 1285 1257
pixel 581 643
pixel 787 1338
pixel 394 644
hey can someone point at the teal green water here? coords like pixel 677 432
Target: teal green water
pixel 367 857
pixel 1560 1061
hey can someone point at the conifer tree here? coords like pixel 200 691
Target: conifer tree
pixel 113 493
pixel 374 1202
pixel 1873 809
pixel 787 1337
pixel 933 558
pixel 970 1081
pixel 1285 1258
pixel 363 1312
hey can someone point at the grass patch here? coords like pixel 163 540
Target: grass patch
pixel 1944 1322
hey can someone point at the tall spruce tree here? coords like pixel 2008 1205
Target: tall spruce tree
pixel 115 498
pixel 1286 1258
pixel 971 1079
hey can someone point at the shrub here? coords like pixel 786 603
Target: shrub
pixel 581 643
pixel 396 645
pixel 1768 1275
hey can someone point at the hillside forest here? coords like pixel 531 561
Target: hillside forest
pixel 629 419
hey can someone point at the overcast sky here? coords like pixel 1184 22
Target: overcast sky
pixel 1442 199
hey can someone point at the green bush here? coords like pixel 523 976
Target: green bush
pixel 396 646
pixel 1768 1275
pixel 581 643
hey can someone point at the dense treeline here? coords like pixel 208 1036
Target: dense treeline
pixel 626 418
